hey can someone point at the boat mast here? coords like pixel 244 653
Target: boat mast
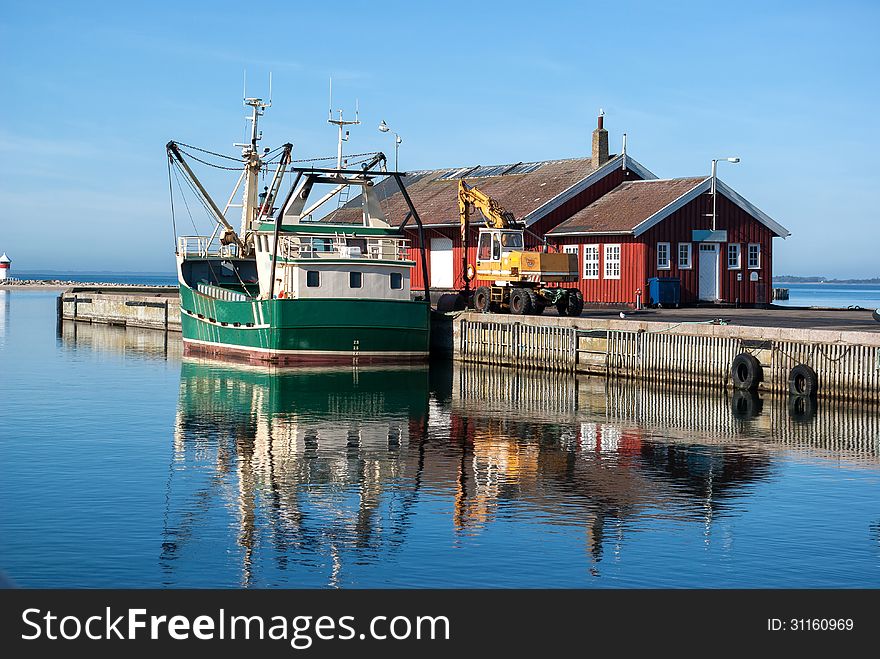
pixel 341 123
pixel 253 162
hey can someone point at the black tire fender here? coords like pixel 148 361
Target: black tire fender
pixel 746 372
pixel 803 381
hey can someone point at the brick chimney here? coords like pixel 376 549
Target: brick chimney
pixel 600 142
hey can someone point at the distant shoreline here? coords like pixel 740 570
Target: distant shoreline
pixel 63 284
pixel 785 279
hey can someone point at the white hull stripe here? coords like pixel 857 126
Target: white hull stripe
pixel 307 352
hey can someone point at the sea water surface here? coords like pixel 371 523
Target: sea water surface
pixel 835 296
pixel 124 464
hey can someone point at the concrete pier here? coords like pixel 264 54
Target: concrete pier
pixel 847 362
pixel 148 307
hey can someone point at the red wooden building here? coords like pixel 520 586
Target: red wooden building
pixel 665 228
pixel 540 194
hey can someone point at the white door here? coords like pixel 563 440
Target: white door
pixel 709 272
pixel 441 263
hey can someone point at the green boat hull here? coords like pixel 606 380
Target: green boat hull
pixel 306 331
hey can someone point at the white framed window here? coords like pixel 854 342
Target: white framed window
pixel 570 249
pixel 663 256
pixel 591 261
pixel 733 256
pixel 684 256
pixel 612 261
pixel 754 256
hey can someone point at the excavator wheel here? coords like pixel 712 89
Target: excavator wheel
pixel 520 302
pixel 482 299
pixel 537 302
pixel 575 302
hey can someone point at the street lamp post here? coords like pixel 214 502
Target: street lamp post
pixel 715 162
pixel 383 127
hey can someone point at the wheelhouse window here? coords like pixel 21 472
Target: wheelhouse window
pixel 733 256
pixel 663 256
pixel 754 256
pixel 313 278
pixel 612 261
pixel 396 280
pixel 322 245
pixel 684 256
pixel 355 279
pixel 591 261
pixel 496 248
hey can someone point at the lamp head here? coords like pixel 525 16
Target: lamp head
pixel 383 127
pixel 733 160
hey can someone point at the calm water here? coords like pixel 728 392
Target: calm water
pixel 866 296
pixel 124 465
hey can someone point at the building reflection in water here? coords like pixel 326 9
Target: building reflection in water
pixel 613 452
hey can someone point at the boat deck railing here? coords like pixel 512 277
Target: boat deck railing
pixel 377 249
pixel 204 247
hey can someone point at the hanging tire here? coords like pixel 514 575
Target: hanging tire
pixel 803 381
pixel 746 372
pixel 482 299
pixel 745 405
pixel 520 302
pixel 536 302
pixel 801 409
pixel 575 302
pixel 876 315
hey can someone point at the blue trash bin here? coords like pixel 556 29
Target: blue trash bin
pixel 664 291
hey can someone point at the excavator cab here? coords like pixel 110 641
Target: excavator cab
pixel 495 244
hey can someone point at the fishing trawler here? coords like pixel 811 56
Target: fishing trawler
pixel 284 289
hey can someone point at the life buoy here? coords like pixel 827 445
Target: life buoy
pixel 746 372
pixel 282 295
pixel 803 381
pixel 470 272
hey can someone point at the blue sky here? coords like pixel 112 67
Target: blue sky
pixel 93 91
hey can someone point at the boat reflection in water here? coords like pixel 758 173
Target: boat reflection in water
pixel 312 461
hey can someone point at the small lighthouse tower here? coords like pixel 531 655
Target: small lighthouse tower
pixel 4 266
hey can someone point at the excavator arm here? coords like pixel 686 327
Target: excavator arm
pixel 495 215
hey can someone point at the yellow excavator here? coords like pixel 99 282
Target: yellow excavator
pixel 520 277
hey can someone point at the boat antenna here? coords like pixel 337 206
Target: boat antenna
pixel 340 123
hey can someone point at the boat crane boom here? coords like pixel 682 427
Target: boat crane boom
pixel 175 155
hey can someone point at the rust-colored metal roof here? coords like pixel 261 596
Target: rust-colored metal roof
pixel 627 206
pixel 434 193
